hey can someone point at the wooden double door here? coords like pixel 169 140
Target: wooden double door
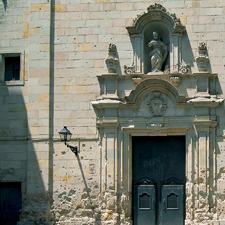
pixel 158 180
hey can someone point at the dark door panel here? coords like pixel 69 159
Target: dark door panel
pixel 10 203
pixel 160 161
pixel 173 207
pixel 144 204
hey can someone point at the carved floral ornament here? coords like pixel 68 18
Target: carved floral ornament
pixel 157 105
pixel 158 7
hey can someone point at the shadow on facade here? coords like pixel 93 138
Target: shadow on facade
pixel 24 161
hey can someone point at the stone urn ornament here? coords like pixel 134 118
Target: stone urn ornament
pixel 202 59
pixel 112 61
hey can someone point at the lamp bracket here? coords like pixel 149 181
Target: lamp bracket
pixel 73 149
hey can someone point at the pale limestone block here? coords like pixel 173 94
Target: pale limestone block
pixel 70 31
pixel 99 30
pixel 92 23
pixel 18 43
pixel 17 11
pixel 118 23
pixel 61 40
pixel 212 36
pixel 60 8
pixel 5 43
pixel 199 28
pixel 193 20
pixel 124 6
pixel 39 7
pixel 62 24
pixel 71 106
pixel 106 38
pixel 101 1
pixel 84 31
pixel 43 130
pixel 86 122
pixel 95 7
pixel 219 19
pixel 62 63
pixel 18 34
pixel 174 4
pixel 62 114
pixel 207 20
pixel 33 114
pixel 140 5
pixel 39 40
pixel 109 6
pixel 215 27
pixel 210 11
pixel 73 40
pixel 39 56
pixel 63 97
pixel 92 130
pixel 106 23
pixel 39 23
pixel 78 8
pixel 63 48
pixel 91 38
pixel 207 4
pixel 78 23
pixel 61 17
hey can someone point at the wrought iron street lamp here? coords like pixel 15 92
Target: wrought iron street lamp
pixel 65 135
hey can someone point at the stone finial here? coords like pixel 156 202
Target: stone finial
pixel 112 48
pixel 112 61
pixel 202 59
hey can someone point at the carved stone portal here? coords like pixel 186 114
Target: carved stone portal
pixel 157 105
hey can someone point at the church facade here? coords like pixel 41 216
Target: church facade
pixel 140 87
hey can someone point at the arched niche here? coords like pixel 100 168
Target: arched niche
pixel 170 32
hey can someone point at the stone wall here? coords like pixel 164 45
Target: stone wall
pixel 63 46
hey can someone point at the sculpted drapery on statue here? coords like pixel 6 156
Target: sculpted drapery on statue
pixel 158 53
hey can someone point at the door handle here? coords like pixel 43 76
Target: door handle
pixel 153 204
pixel 164 204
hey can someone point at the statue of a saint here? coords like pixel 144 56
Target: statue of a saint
pixel 158 53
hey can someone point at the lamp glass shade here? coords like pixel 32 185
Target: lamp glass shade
pixel 65 134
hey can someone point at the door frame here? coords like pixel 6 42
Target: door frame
pixel 126 153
